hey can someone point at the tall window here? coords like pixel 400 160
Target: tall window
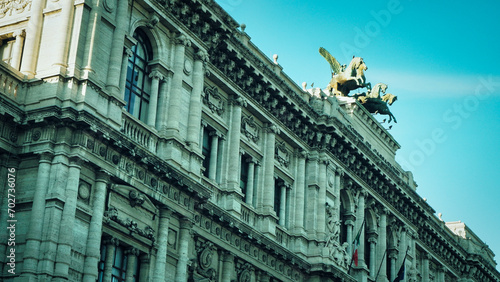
pixel 138 86
pixel 6 49
pixel 244 176
pixel 277 196
pixel 119 269
pixel 205 150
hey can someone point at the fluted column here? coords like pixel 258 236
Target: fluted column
pixel 227 267
pixel 321 230
pixel 300 192
pixel 17 49
pixel 156 77
pixel 65 243
pixel 234 143
pixel 193 130
pixel 372 241
pixel 32 43
pixel 34 234
pixel 111 244
pixel 214 153
pixel 115 59
pixel 360 217
pixel 382 243
pixel 250 181
pixel 60 43
pixel 184 239
pixel 174 107
pixel 95 228
pixel 92 35
pixel 268 189
pixel 132 254
pixel 161 255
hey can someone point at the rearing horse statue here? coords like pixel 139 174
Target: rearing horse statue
pixel 343 81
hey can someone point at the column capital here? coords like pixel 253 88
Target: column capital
pixel 272 128
pixel 132 251
pixel 103 176
pixel 251 160
pixel 128 52
pixel 182 40
pixel 215 133
pixel 239 101
pixel 76 161
pixel 372 238
pixel 156 74
pixel 46 157
pixel 186 223
pixel 201 55
pixel 19 32
pixel 166 212
pixel 111 241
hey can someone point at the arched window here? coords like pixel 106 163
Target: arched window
pixel 138 86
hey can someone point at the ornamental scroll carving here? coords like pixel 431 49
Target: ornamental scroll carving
pixel 205 259
pixel 282 154
pixel 250 128
pixel 213 100
pixel 13 7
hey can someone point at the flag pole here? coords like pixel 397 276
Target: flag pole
pixel 353 251
pixel 378 272
pixel 398 278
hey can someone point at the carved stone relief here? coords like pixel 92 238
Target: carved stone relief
pixel 250 128
pixel 213 100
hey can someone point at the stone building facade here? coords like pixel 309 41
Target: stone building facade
pixel 150 140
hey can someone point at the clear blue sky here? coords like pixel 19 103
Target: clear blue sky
pixel 441 59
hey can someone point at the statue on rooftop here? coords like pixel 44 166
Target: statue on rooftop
pixel 376 101
pixel 345 79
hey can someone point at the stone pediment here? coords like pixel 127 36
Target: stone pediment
pixel 135 204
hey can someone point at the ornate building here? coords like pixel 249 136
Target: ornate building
pixel 150 140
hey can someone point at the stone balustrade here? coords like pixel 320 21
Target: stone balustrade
pixel 139 132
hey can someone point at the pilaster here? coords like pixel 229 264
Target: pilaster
pixel 193 130
pixel 161 255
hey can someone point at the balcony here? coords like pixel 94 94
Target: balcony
pixel 139 133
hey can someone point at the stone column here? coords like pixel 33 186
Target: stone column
pixel 161 117
pixel 174 107
pixel 111 244
pixel 382 243
pixel 425 266
pixel 92 35
pixel 17 49
pixel 268 189
pixel 228 267
pixel 300 192
pixel 372 241
pixel 393 255
pixel 234 144
pixel 132 254
pixel 34 234
pixel 32 43
pixel 312 189
pixel 282 208
pixel 403 246
pixel 117 42
pixel 321 229
pixel 350 226
pixel 250 181
pixel 60 43
pixel 193 130
pixel 156 77
pixel 161 255
pixel 59 177
pixel 360 217
pixel 441 276
pixel 145 269
pixel 184 240
pixel 95 228
pixel 214 153
pixel 63 258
